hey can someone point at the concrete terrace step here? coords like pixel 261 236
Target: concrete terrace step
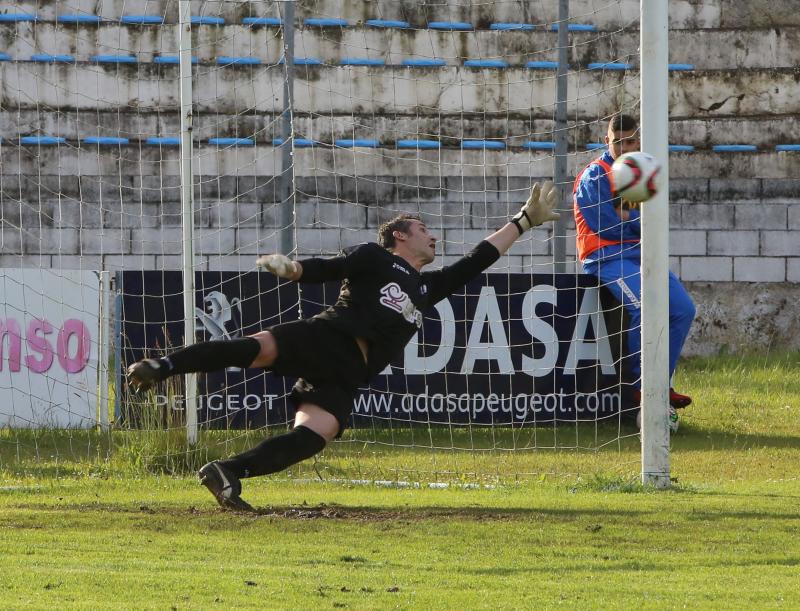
pixel 259 160
pixel 705 49
pixel 366 90
pixel 111 192
pixel 702 133
pixel 604 15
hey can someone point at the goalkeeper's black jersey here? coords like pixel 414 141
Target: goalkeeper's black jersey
pixel 382 297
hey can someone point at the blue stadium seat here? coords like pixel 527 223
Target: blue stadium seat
pixel 142 20
pixel 105 141
pixel 361 61
pixel 681 148
pixel 541 65
pixel 171 59
pixel 533 145
pixel 418 144
pixel 450 26
pixel 787 147
pixel 734 148
pixel 609 66
pixel 324 22
pixel 575 27
pixel 42 140
pixel 231 141
pixel 512 26
pixel 494 145
pixel 163 141
pixel 486 63
pixel 298 142
pixel 225 60
pixel 271 21
pixel 80 19
pixel 53 59
pixel 302 61
pixel 680 66
pixel 207 20
pixel 424 63
pixel 387 23
pixel 593 146
pixel 113 59
pixel 364 143
pixel 17 17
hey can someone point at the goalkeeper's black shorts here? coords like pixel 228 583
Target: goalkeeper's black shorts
pixel 328 363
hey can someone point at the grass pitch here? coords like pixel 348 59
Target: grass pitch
pixel 84 528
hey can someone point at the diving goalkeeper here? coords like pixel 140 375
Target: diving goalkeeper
pixel 379 309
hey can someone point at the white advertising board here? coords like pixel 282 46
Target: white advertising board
pixel 48 348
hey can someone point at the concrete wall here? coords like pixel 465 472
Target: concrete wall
pixel 734 217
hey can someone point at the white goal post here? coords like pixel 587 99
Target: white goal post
pixel 655 257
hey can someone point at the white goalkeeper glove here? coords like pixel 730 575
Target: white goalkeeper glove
pixel 539 207
pixel 280 265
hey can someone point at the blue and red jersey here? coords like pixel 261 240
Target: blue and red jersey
pixel 601 232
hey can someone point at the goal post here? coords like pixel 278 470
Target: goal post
pixel 655 256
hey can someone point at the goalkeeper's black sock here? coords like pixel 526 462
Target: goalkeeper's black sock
pixel 211 356
pixel 276 453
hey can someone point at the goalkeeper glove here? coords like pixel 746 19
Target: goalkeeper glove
pixel 539 207
pixel 280 265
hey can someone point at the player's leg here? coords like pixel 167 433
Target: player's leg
pixel 681 315
pixel 622 277
pixel 313 429
pixel 202 357
pixel 259 350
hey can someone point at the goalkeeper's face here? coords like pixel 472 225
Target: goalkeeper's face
pixel 421 242
pixel 622 142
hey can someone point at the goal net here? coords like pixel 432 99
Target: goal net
pixel 308 130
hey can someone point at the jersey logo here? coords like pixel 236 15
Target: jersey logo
pixel 401 268
pixel 394 298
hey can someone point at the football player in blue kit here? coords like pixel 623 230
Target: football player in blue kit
pixel 379 309
pixel 608 244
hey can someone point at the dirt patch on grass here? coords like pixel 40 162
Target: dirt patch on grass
pixel 324 511
pixel 304 512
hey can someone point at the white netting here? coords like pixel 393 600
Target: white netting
pixel 447 111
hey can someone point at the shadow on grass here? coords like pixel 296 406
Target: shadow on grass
pixel 705 439
pixel 423 452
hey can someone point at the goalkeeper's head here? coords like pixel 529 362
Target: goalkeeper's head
pixel 623 135
pixel 407 236
pixel 401 223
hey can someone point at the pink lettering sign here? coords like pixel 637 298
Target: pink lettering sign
pixel 10 328
pixel 37 342
pixel 78 361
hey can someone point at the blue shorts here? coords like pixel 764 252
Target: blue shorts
pixel 623 277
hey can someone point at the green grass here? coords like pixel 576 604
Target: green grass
pixel 115 521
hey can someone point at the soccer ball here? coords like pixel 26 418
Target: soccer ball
pixel 674 422
pixel 635 176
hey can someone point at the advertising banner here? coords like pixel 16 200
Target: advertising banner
pixel 505 349
pixel 48 348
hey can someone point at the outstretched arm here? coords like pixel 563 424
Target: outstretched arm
pixel 536 211
pixel 355 260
